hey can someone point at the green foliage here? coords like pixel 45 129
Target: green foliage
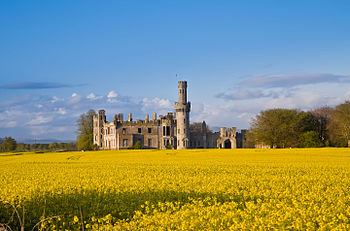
pixel 323 117
pixel 283 128
pixel 53 146
pixel 277 127
pixel 8 144
pixel 21 147
pixel 250 139
pixel 137 145
pixel 310 139
pixel 197 127
pixel 339 126
pixel 85 131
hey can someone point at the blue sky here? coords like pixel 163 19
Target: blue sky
pixel 60 58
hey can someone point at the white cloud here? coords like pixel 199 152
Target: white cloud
pixel 158 105
pixel 112 94
pixel 92 96
pixel 61 111
pixel 111 97
pixel 75 99
pixel 40 120
pixel 55 99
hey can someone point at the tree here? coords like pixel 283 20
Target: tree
pixel 137 145
pixel 53 146
pixel 71 146
pixel 8 144
pixel 197 127
pixel 310 139
pixel 323 117
pixel 278 127
pixel 339 126
pixel 250 140
pixel 20 147
pixel 85 131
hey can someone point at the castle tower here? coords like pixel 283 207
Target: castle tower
pixel 182 109
pixel 99 121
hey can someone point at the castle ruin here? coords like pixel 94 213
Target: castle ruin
pixel 171 131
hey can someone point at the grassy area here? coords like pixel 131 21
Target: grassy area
pixel 179 189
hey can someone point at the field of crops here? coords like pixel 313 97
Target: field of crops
pixel 178 190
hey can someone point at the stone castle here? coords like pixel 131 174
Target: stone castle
pixel 171 131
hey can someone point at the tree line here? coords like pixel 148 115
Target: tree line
pixel 8 144
pixel 290 128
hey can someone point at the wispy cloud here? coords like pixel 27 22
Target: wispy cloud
pixel 244 94
pixel 277 86
pixel 255 94
pixel 289 80
pixel 35 85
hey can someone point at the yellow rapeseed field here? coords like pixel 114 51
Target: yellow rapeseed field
pixel 293 189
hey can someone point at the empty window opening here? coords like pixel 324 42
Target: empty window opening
pixel 167 130
pixel 149 130
pixel 139 130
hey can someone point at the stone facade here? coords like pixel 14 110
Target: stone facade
pixel 227 138
pixel 171 131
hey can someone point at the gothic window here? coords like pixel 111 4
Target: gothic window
pixel 167 130
pixel 124 131
pixel 149 130
pixel 139 130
